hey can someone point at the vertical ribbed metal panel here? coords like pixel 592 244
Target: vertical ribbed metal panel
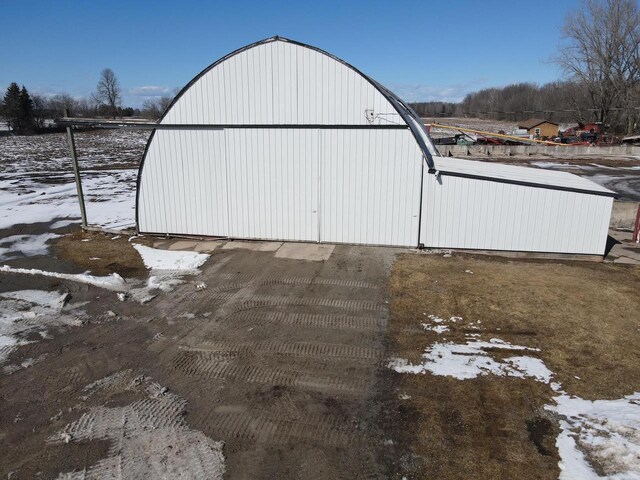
pixel 480 214
pixel 280 83
pixel 273 184
pixel 370 187
pixel 268 184
pixel 183 188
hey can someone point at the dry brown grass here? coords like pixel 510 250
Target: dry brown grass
pixel 583 316
pixel 108 255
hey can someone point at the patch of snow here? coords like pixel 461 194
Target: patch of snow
pixel 558 165
pixel 173 260
pixel 531 367
pixel 110 282
pixel 166 270
pixel 29 362
pixel 166 283
pixel 601 432
pixel 470 360
pixel 439 328
pixel 27 304
pixel 64 223
pixel 28 310
pixel 435 328
pixel 17 246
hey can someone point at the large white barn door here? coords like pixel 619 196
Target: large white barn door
pixel 273 183
pixel 370 187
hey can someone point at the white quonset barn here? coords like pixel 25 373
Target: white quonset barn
pixel 280 140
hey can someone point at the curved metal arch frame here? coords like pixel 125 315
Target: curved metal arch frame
pixel 401 107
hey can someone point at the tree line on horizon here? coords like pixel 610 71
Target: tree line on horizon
pixel 25 113
pixel 561 102
pixel 600 61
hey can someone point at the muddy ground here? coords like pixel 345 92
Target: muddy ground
pixel 281 359
pixel 285 361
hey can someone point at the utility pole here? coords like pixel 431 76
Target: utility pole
pixel 76 170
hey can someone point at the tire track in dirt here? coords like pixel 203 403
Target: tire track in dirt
pixel 286 360
pixel 294 281
pixel 269 429
pixel 147 435
pixel 302 349
pixel 213 366
pixel 257 301
pixel 329 321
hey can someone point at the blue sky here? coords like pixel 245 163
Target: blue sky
pixel 423 50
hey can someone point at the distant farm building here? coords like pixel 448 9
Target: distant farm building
pixel 282 141
pixel 539 127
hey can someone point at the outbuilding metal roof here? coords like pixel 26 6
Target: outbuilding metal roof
pixel 534 122
pixel 535 177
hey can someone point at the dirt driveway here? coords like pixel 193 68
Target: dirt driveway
pixel 371 363
pixel 280 359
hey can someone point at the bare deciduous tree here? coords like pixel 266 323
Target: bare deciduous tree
pixel 601 53
pixel 61 102
pixel 154 108
pixel 108 91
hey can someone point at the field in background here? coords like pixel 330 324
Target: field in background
pixel 37 183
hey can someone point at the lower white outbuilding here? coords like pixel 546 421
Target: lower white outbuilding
pixel 283 141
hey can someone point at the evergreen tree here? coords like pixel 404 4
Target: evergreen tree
pixel 11 106
pixel 26 111
pixel 17 109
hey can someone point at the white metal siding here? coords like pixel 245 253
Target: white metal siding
pixel 183 189
pixel 481 214
pixel 267 183
pixel 370 190
pixel 280 83
pixel 273 184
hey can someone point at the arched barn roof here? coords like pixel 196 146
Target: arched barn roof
pixel 174 114
pixel 406 113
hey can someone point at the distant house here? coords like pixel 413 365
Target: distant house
pixel 539 127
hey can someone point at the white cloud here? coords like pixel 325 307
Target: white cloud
pixel 150 91
pixel 430 93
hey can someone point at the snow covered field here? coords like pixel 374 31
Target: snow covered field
pixel 37 183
